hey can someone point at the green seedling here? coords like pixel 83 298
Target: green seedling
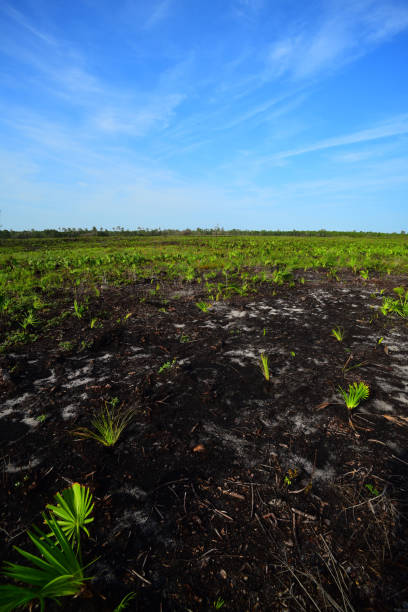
pixel 56 573
pixel 387 306
pixel 280 276
pixel 264 366
pixel 72 511
pixel 357 393
pixel 29 321
pixel 125 318
pixel 332 273
pixel 67 346
pixel 292 354
pixel 364 274
pixel 93 322
pixel 108 425
pixel 402 307
pixel 41 418
pixel 290 476
pixel 155 291
pixel 372 489
pixel 185 338
pixel 399 306
pixel 85 344
pixel 79 309
pixel 219 603
pixel 4 302
pixel 125 602
pixel 203 306
pixel 380 340
pixel 338 333
pixel 167 365
pixel 20 337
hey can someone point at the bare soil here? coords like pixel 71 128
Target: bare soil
pixel 224 485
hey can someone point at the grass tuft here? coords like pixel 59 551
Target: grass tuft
pixel 108 425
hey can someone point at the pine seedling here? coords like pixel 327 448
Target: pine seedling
pixel 264 366
pixel 338 333
pixel 108 425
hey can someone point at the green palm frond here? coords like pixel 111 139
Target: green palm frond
pixel 56 573
pixel 357 392
pixel 13 596
pixel 73 509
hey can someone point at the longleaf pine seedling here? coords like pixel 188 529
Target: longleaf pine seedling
pixel 357 393
pixel 265 366
pixel 338 333
pixel 108 425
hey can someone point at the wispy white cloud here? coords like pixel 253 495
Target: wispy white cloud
pixel 271 109
pixel 396 126
pixel 103 107
pixel 157 112
pixel 192 134
pixel 345 31
pixel 19 18
pixel 247 9
pixel 159 13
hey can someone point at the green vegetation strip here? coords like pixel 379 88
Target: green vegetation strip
pixel 36 273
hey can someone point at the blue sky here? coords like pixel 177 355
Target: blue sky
pixel 189 113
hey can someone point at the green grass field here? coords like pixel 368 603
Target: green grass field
pixel 38 273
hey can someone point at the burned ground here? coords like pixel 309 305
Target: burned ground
pixel 224 485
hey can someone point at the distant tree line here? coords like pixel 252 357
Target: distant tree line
pixel 72 232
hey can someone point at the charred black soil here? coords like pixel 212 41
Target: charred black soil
pixel 266 495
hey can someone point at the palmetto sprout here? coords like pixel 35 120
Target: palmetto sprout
pixel 203 306
pixel 357 392
pixel 56 573
pixel 399 306
pixel 29 320
pixel 72 510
